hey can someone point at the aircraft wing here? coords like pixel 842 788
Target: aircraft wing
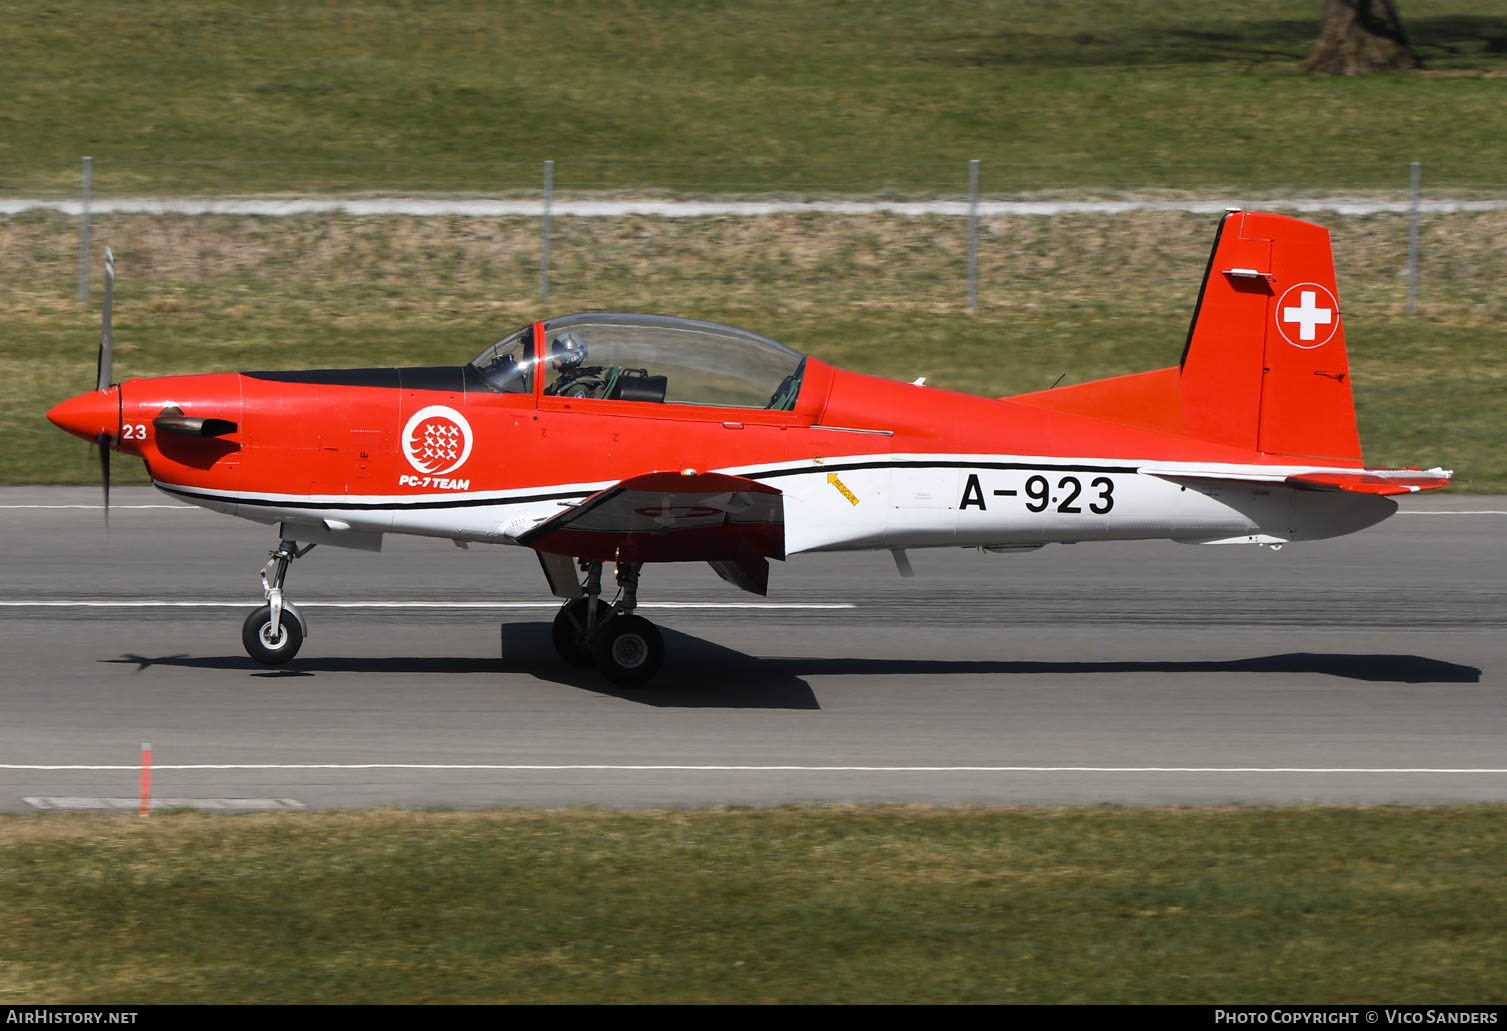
pixel 733 523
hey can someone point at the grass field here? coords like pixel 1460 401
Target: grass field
pixel 186 96
pixel 897 905
pixel 1076 297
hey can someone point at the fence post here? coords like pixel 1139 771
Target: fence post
pixel 549 197
pixel 1415 191
pixel 83 255
pixel 973 234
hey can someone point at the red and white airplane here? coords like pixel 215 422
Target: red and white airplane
pixel 635 439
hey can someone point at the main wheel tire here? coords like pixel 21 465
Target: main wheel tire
pixel 569 630
pixel 628 650
pixel 256 635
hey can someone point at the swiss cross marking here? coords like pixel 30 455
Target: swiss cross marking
pixel 1310 322
pixel 1308 315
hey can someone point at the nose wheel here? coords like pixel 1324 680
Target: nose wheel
pixel 273 633
pixel 626 649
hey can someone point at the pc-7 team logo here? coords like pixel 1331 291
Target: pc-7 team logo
pixel 437 440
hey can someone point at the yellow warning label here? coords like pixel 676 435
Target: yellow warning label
pixel 842 488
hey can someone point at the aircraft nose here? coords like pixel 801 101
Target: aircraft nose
pixel 89 415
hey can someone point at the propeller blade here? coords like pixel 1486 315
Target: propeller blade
pixel 103 441
pixel 106 329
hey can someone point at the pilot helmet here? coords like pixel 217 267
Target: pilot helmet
pixel 568 349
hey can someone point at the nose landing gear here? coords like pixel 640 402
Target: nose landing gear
pixel 273 633
pixel 625 648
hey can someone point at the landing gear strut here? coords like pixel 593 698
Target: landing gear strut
pixel 273 633
pixel 627 649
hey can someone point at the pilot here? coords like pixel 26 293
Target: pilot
pixel 567 352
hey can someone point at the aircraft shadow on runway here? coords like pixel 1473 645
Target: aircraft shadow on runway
pixel 1397 669
pixel 701 674
pixel 696 673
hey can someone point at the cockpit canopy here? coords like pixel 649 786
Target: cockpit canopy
pixel 647 358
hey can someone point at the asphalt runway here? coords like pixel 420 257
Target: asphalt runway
pixel 1368 669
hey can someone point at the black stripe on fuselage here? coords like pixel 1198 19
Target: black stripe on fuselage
pixel 950 464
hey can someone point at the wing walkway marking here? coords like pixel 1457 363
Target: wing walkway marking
pixel 664 767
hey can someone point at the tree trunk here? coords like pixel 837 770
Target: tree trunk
pixel 1360 37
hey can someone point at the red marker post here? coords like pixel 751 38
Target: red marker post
pixel 146 778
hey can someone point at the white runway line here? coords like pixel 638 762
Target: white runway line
pixel 1479 511
pixel 667 768
pixel 45 603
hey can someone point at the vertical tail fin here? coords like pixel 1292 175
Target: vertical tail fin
pixel 1264 366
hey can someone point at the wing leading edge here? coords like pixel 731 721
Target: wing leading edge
pixel 734 524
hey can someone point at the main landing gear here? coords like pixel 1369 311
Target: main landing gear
pixel 627 649
pixel 273 633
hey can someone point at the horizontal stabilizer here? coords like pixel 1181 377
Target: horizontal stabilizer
pixel 732 522
pixel 1375 481
pixel 1356 481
